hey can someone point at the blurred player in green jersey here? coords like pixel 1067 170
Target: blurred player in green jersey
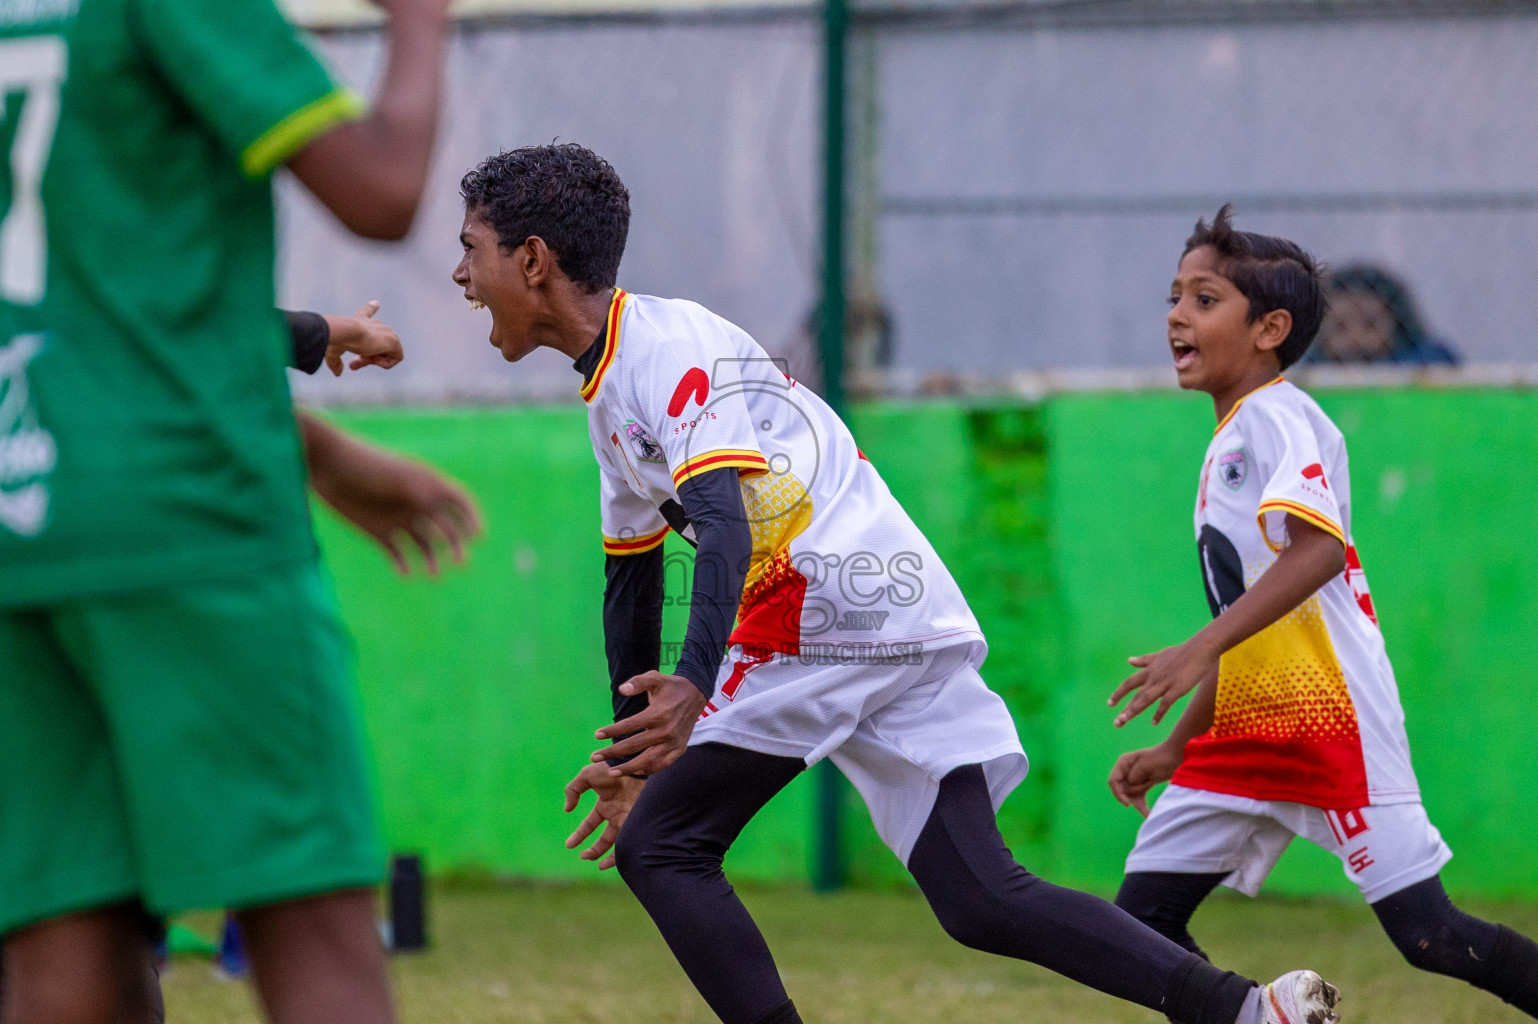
pixel 179 724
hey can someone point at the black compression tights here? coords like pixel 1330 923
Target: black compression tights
pixel 1420 920
pixel 673 842
pixel 1436 936
pixel 1165 901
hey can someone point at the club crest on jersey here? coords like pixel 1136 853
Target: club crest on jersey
pixel 1233 468
pixel 643 444
pixel 27 451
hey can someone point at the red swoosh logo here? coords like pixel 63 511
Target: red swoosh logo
pixel 694 384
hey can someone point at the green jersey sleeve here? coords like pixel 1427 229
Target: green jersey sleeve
pixel 242 67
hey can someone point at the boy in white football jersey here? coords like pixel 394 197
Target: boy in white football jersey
pixel 1295 728
pixel 851 639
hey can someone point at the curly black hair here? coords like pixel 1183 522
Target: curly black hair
pixel 1272 273
pixel 563 193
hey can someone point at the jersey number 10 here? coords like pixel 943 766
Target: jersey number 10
pixel 31 74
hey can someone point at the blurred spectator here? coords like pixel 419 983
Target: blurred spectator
pixel 869 341
pixel 1371 318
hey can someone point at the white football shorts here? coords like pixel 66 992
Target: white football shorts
pixel 1382 849
pixel 894 727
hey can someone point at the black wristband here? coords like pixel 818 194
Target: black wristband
pixel 310 335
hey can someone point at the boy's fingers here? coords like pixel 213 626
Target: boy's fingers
pixel 460 506
pixel 630 746
pixel 465 507
pixel 1129 684
pixel 606 863
pixel 635 723
pixel 393 549
pixel 574 790
pixel 656 758
pixel 368 309
pixel 1132 710
pixel 1141 803
pixel 625 743
pixel 449 529
pixel 1140 660
pixel 585 829
pixel 649 762
pixel 638 684
pixel 604 844
pixel 1164 708
pixel 637 765
pixel 1142 701
pixel 424 541
pixel 582 831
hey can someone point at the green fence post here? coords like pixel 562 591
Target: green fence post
pixel 831 335
pixel 828 869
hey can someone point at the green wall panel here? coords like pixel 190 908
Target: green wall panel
pixel 1442 487
pixel 1067 524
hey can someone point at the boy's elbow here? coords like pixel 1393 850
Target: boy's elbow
pixel 384 217
pixel 1334 556
pixel 373 194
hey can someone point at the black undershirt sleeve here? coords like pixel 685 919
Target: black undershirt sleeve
pixel 632 622
pixel 310 335
pixel 632 600
pixel 713 504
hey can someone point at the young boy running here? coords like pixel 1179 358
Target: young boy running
pixel 179 722
pixel 852 641
pixel 1295 728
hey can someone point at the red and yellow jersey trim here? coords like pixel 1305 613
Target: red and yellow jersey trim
pixel 610 345
pixel 746 461
pixel 1224 421
pixel 634 545
pixel 1303 512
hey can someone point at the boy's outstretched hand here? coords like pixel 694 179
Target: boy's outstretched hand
pixel 616 795
pixel 1311 558
pixel 373 342
pixel 387 496
pixel 1164 676
pixel 1138 771
pixel 656 737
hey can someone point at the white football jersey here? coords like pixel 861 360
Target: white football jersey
pixel 838 570
pixel 1307 709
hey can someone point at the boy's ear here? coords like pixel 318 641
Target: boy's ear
pixel 536 260
pixel 1272 329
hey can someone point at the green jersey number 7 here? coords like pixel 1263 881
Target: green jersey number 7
pixel 32 73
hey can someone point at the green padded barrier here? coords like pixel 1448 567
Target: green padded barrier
pixel 1067 524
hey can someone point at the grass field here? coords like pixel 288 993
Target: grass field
pixel 588 954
